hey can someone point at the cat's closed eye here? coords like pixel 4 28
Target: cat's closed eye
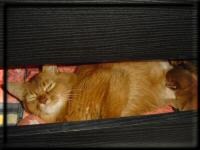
pixel 31 97
pixel 49 85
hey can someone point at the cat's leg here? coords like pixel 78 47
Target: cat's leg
pixel 117 95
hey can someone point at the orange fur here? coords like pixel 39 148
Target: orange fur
pixel 112 90
pixel 46 94
pixel 98 91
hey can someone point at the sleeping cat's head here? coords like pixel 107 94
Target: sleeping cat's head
pixel 46 94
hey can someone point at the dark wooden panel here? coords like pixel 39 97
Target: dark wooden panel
pixel 164 130
pixel 149 2
pixel 1 136
pixel 1 33
pixel 87 34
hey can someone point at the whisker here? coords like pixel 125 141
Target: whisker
pixel 70 92
pixel 68 99
pixel 77 90
pixel 73 95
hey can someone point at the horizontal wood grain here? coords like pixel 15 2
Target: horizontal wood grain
pixel 149 2
pixel 90 34
pixel 1 33
pixel 163 130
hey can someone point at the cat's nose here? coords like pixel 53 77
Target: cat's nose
pixel 43 99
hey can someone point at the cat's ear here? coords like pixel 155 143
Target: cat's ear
pixel 50 69
pixel 16 90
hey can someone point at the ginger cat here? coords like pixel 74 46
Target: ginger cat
pixel 96 91
pixel 46 94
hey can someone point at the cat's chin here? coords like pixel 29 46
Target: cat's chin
pixel 51 108
pixel 42 106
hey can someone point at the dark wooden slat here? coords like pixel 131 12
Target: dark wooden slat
pixel 71 35
pixel 107 123
pixel 1 33
pixel 164 130
pixel 1 136
pixel 149 2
